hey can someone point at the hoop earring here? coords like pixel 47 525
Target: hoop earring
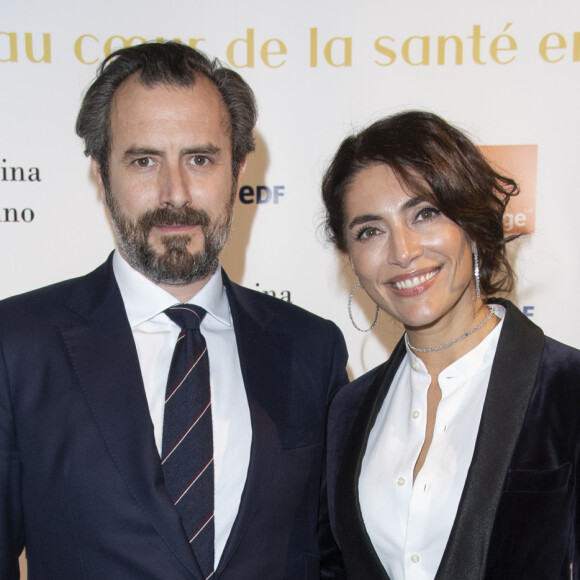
pixel 476 274
pixel 355 287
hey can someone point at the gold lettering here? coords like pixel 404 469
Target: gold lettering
pixel 313 47
pixel 265 53
pixel 108 47
pixel 249 42
pixel 442 41
pixel 576 53
pixel 346 43
pixel 46 54
pixel 494 48
pixel 391 54
pixel 546 45
pixel 12 38
pixel 78 48
pixel 193 42
pixel 424 44
pixel 477 36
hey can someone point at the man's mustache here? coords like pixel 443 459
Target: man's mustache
pixel 165 216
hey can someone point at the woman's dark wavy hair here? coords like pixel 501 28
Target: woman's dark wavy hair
pixel 439 164
pixel 172 64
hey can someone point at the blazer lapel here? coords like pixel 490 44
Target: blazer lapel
pixel 268 406
pixel 103 354
pixel 352 535
pixel 512 380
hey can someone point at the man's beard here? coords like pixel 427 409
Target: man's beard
pixel 175 265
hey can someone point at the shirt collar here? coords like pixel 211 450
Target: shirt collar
pixel 144 300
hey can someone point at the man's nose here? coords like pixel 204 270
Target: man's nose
pixel 174 186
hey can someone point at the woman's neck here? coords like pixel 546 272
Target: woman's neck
pixel 445 342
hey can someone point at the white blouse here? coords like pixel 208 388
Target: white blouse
pixel 409 523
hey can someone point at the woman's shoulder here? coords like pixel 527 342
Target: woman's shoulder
pixel 561 365
pixel 561 351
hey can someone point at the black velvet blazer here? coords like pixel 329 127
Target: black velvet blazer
pixel 519 514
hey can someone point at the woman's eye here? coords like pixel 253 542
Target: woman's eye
pixel 427 213
pixel 367 233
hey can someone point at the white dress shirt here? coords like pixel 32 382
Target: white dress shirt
pixel 409 523
pixel 155 338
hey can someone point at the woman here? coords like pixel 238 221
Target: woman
pixel 458 457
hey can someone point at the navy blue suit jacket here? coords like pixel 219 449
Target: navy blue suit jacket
pixel 81 484
pixel 519 514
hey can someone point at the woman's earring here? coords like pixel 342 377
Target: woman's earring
pixel 355 287
pixel 476 271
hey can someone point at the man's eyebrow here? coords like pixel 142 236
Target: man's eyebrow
pixel 206 149
pixel 133 152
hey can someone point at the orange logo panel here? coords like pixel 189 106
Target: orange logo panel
pixel 520 162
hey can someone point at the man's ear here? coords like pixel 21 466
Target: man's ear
pixel 96 170
pixel 241 170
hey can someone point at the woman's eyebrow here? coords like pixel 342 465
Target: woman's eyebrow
pixel 363 219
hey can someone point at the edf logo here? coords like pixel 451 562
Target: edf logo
pixel 528 311
pixel 262 194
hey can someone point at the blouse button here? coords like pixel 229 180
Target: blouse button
pixel 416 414
pixel 401 481
pixel 415 558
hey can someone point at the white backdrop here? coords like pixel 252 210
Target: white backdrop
pixel 320 69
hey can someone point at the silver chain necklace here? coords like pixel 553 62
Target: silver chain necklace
pixel 465 335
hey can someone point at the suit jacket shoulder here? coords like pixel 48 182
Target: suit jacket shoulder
pixel 265 308
pixel 317 345
pixel 83 295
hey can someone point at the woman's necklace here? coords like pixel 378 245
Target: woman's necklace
pixel 448 344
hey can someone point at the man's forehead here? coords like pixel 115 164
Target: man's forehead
pixel 201 87
pixel 200 100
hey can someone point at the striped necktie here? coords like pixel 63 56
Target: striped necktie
pixel 187 448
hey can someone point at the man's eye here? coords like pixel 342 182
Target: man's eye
pixel 143 162
pixel 199 160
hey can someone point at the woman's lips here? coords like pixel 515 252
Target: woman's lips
pixel 414 283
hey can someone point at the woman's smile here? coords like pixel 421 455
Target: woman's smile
pixel 416 282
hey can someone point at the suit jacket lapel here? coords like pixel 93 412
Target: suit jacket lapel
pixel 103 355
pixel 268 406
pixel 512 380
pixel 352 535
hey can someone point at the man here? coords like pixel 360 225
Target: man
pixel 84 391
